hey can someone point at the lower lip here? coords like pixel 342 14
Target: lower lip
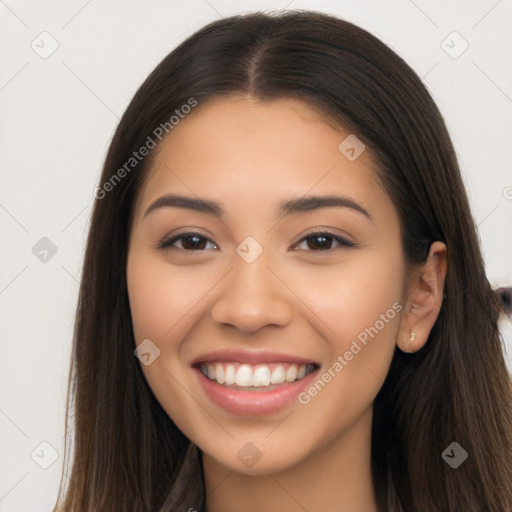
pixel 254 402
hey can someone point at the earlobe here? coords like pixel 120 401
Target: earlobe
pixel 424 301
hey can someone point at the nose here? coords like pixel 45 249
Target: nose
pixel 251 297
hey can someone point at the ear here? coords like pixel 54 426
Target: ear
pixel 424 299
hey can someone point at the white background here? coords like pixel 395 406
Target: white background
pixel 57 115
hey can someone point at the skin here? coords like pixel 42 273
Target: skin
pixel 294 298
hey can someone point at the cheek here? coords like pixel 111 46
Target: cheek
pixel 160 299
pixel 162 307
pixel 358 310
pixel 351 297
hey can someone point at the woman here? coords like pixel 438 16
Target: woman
pixel 282 238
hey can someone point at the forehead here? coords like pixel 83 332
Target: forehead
pixel 249 153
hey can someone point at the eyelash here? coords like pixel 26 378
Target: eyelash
pixel 167 243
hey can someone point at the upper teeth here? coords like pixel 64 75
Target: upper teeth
pixel 254 375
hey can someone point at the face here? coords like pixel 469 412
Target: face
pixel 266 256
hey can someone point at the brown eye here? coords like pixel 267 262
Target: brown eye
pixel 324 241
pixel 189 242
pixel 321 242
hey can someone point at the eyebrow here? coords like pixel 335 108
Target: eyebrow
pixel 285 209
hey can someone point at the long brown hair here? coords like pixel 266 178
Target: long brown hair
pixel 127 451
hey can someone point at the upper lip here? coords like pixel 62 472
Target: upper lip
pixel 250 357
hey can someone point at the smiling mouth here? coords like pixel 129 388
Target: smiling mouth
pixel 254 377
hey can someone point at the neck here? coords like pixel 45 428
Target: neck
pixel 337 476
